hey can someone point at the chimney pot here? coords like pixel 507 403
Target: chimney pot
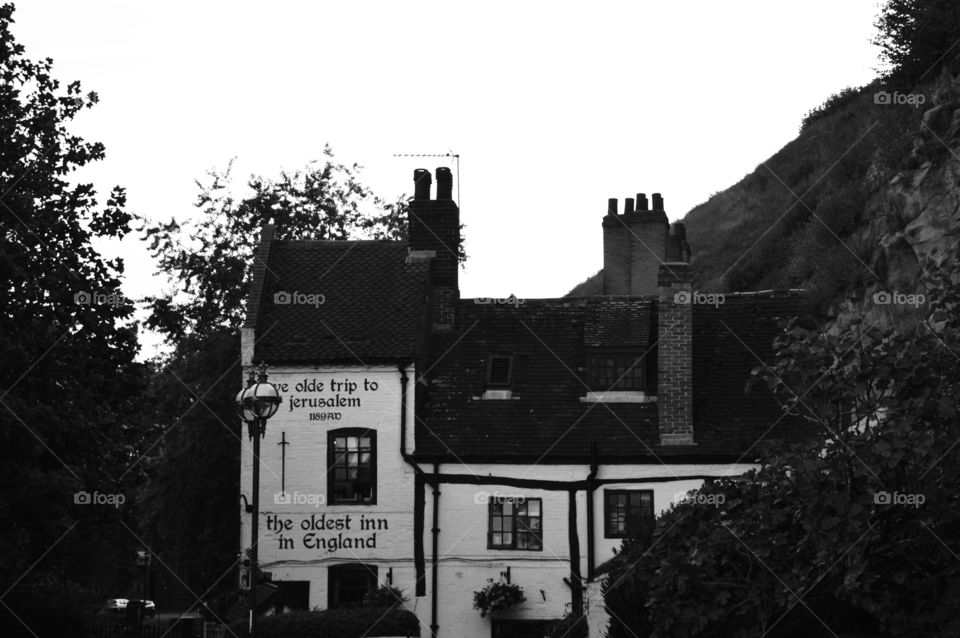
pixel 628 206
pixel 612 206
pixel 421 183
pixel 657 201
pixel 641 202
pixel 444 183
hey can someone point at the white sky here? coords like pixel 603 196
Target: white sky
pixel 552 107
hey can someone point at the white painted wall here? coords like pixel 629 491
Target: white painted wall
pixel 295 553
pixel 464 562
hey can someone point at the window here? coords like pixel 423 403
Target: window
pixel 616 371
pixel 292 595
pixel 352 466
pixel 499 370
pixel 515 524
pixel 349 584
pixel 625 510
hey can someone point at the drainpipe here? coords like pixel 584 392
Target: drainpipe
pixel 436 535
pixel 419 497
pixel 591 486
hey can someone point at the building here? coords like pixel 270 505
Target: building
pixel 436 443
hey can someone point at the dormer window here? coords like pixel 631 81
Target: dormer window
pixel 616 371
pixel 499 371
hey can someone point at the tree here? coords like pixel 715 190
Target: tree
pixel 855 529
pixel 917 37
pixel 195 467
pixel 210 259
pixel 68 381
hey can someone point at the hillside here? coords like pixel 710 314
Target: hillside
pixel 865 192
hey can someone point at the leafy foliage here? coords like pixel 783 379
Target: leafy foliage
pixel 356 622
pixel 832 104
pixel 189 504
pixel 67 342
pixel 189 405
pixel 211 256
pixel 856 529
pixel 384 596
pixel 570 626
pixel 917 37
pixel 497 596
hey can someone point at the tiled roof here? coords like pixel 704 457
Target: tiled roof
pixel 547 420
pixel 368 304
pixel 728 342
pixel 546 417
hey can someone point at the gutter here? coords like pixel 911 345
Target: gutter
pixel 591 487
pixel 436 535
pixel 419 496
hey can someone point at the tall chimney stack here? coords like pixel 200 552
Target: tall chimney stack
pixel 421 183
pixel 434 229
pixel 675 354
pixel 444 183
pixel 634 245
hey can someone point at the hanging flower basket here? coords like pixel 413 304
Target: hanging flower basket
pixel 497 596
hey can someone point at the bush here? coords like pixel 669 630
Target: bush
pixel 571 626
pixel 384 596
pixel 354 622
pixel 861 519
pixel 831 104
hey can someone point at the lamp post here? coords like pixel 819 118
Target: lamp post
pixel 255 404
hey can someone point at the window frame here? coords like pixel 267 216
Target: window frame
pixel 607 494
pixel 339 569
pixel 499 384
pixel 640 367
pixel 514 528
pixel 331 459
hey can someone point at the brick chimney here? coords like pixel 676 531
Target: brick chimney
pixel 434 231
pixel 675 354
pixel 634 246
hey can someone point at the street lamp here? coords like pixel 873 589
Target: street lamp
pixel 255 404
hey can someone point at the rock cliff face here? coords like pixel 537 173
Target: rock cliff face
pixel 914 216
pixel 924 202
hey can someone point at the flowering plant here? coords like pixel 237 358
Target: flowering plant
pixel 497 596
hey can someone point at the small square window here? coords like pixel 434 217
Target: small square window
pixel 624 511
pixel 515 524
pixel 499 370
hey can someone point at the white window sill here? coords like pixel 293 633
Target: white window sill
pixel 497 395
pixel 619 396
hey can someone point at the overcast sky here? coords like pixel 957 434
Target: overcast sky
pixel 552 107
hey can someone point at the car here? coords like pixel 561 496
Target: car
pixel 114 605
pixel 149 608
